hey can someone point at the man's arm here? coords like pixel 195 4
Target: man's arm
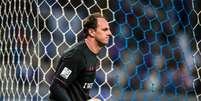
pixel 59 93
pixel 67 69
pixel 66 73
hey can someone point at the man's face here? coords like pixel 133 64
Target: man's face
pixel 102 32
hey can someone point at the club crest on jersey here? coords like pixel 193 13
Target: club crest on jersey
pixel 65 73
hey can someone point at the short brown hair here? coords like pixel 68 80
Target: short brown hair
pixel 91 22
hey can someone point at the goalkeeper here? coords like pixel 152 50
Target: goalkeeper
pixel 76 69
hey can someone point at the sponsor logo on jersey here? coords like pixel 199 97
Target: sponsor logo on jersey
pixel 88 85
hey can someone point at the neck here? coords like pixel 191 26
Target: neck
pixel 93 45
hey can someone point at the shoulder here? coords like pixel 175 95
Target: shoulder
pixel 74 53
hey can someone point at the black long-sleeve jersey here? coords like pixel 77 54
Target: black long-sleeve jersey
pixel 75 74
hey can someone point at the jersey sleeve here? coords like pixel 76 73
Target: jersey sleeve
pixel 68 68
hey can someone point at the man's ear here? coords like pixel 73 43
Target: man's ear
pixel 91 32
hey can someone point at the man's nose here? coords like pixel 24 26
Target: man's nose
pixel 110 33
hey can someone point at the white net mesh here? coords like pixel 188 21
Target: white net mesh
pixel 151 59
pixel 19 50
pixel 195 14
pixel 34 34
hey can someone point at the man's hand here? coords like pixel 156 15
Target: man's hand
pixel 94 99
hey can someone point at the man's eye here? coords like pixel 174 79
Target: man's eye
pixel 105 29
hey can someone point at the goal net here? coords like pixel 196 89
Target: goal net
pixel 197 54
pixel 154 53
